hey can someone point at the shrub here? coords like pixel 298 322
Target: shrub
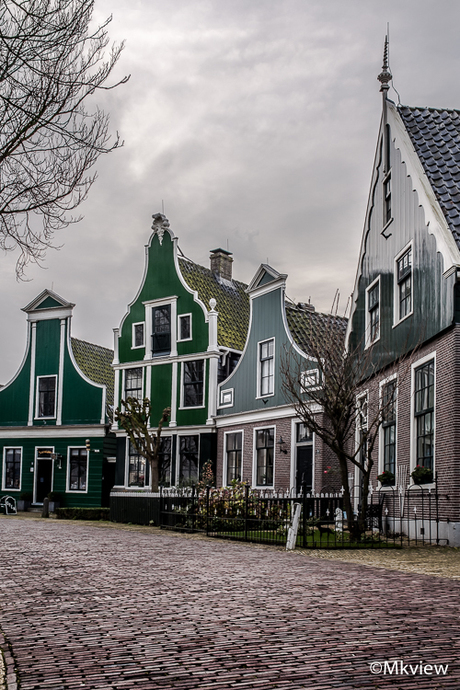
pixel 83 513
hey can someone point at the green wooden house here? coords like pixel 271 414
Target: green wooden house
pixel 54 429
pixel 182 334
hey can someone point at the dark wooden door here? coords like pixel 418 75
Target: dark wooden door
pixel 304 471
pixel 43 479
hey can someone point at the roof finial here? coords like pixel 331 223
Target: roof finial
pixel 385 75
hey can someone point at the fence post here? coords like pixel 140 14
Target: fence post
pixel 293 529
pixel 193 508
pixel 246 498
pixel 207 510
pixel 437 507
pixel 304 514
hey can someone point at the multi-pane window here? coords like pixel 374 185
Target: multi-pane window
pixel 164 461
pixel 185 327
pixel 13 468
pixel 234 456
pixel 138 335
pixel 387 198
pixel 373 306
pixel 133 383
pixel 193 383
pixel 46 396
pixel 362 424
pixel 161 330
pixel 267 367
pixel 424 414
pixel 188 458
pixel 78 469
pixel 137 467
pixel 265 442
pixel 404 276
pixel 389 426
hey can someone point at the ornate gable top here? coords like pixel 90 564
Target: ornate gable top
pixel 47 300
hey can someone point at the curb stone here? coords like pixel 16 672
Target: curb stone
pixel 8 675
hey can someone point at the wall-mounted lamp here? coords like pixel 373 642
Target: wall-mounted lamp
pixel 282 446
pixel 88 445
pixel 57 457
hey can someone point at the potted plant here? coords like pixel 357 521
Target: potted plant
pixel 25 499
pixel 422 475
pixel 387 478
pixel 54 501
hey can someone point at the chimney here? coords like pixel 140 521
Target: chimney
pixel 221 263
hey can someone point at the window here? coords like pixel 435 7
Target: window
pixel 13 457
pixel 193 383
pixel 185 327
pixel 226 398
pixel 133 383
pixel 404 278
pixel 389 426
pixel 362 413
pixel 138 335
pixel 164 460
pixel 303 458
pixel 265 441
pixel 78 469
pixel 310 379
pixel 373 310
pixel 227 363
pixel 137 467
pixel 266 368
pixel 188 458
pixel 233 455
pixel 387 199
pixel 424 414
pixel 46 396
pixel 161 330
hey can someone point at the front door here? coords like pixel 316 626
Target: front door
pixel 43 478
pixel 304 473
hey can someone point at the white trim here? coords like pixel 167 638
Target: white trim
pixel 224 458
pixel 255 416
pixel 396 319
pixel 181 403
pixel 36 458
pixel 4 487
pixel 259 395
pixel 254 457
pixel 50 314
pixel 173 417
pixel 222 405
pixel 67 486
pixel 52 432
pixel 179 317
pixel 60 381
pixel 133 335
pixel 370 287
pixel 32 374
pixel 163 360
pixel 212 388
pixel 294 445
pixel 148 306
pixel 37 396
pixel 413 426
pixel 381 459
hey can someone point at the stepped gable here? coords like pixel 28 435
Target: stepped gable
pixel 435 135
pixel 95 362
pixel 232 302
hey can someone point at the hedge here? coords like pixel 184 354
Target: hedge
pixel 83 513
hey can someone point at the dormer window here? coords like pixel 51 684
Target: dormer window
pixel 161 330
pixel 46 397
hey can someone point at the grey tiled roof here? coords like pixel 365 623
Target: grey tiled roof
pixel 232 302
pixel 96 363
pixel 435 135
pixel 303 323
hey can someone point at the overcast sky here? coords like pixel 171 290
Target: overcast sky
pixel 255 123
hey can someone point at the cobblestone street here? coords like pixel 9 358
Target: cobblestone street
pixel 104 608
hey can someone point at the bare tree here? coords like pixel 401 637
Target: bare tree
pixel 51 63
pixel 134 417
pixel 348 424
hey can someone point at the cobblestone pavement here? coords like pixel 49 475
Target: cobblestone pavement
pixel 100 608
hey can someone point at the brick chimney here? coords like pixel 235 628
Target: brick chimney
pixel 221 263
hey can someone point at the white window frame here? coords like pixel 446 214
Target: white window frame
pixel 182 370
pixel 314 384
pixel 37 396
pixel 179 339
pixel 224 463
pixel 370 287
pixel 123 383
pixel 68 489
pixel 146 487
pixel 396 319
pixel 5 448
pixel 172 301
pixel 254 456
pixel 356 479
pixel 230 392
pixel 413 420
pixel 381 456
pixel 133 335
pixel 178 438
pixel 259 395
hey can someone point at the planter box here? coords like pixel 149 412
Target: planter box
pixel 23 506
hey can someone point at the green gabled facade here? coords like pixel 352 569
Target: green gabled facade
pixel 181 335
pixel 54 429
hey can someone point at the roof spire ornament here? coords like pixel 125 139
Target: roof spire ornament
pixel 159 225
pixel 385 75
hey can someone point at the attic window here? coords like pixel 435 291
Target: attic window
pixel 185 327
pixel 138 335
pixel 161 330
pixel 46 397
pixel 404 277
pixel 373 312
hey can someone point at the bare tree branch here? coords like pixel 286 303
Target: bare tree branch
pixel 51 63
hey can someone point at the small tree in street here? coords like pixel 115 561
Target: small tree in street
pixel 327 399
pixel 51 63
pixel 134 416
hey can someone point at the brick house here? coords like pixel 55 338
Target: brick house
pixel 406 299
